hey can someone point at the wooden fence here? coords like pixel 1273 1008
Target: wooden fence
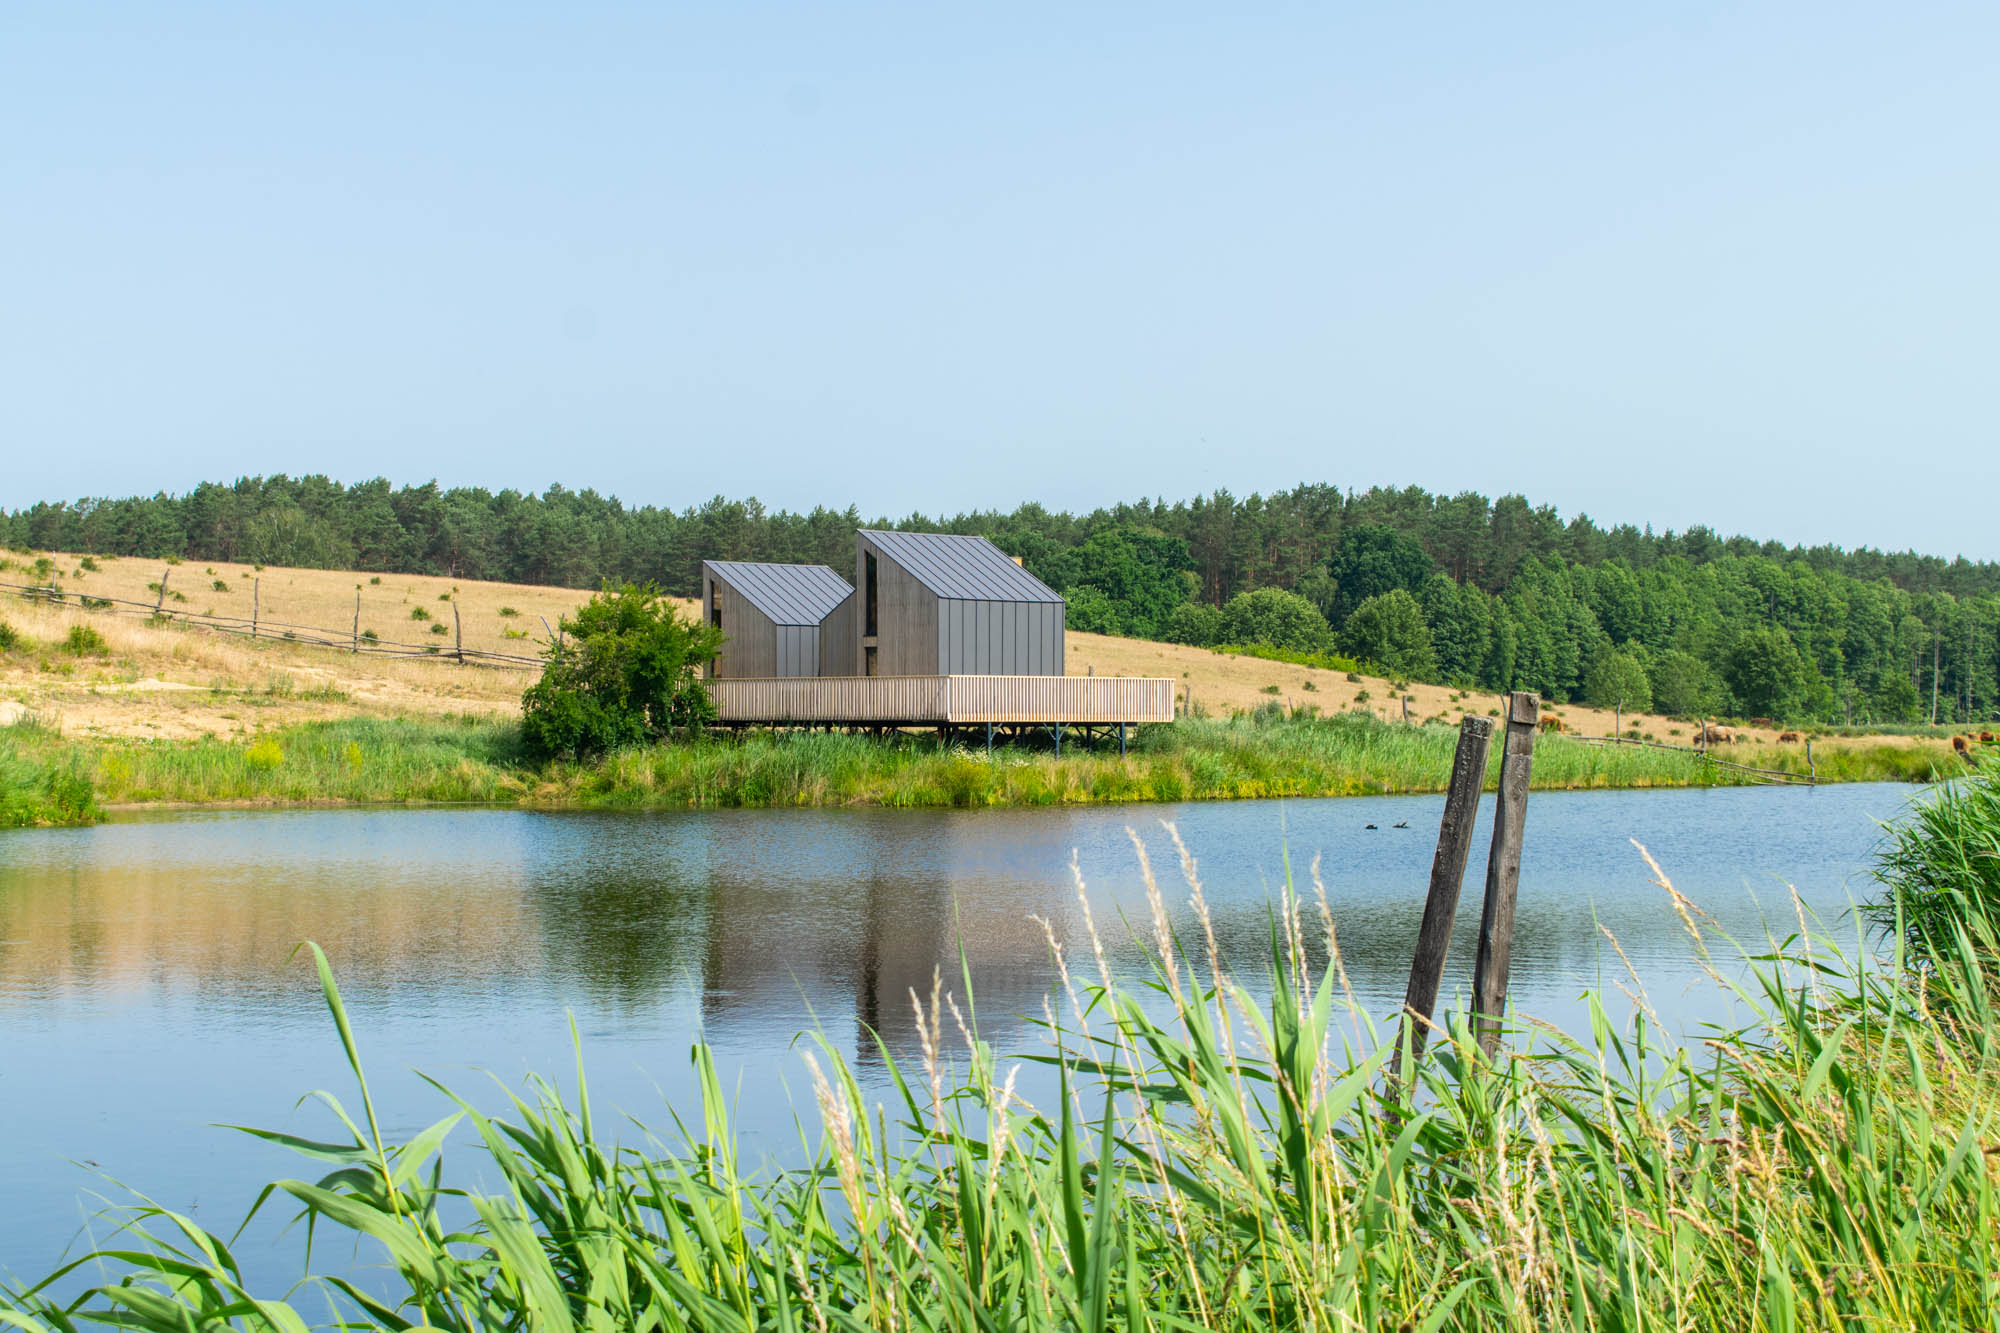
pixel 254 627
pixel 1775 776
pixel 944 700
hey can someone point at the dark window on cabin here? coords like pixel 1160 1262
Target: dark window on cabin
pixel 871 630
pixel 715 606
pixel 868 655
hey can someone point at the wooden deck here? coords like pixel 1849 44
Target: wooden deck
pixel 922 701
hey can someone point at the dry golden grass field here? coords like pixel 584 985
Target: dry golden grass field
pixel 172 682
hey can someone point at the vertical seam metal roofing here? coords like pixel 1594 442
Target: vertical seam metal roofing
pixel 964 568
pixel 787 594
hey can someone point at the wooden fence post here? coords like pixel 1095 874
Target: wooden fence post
pixel 1503 869
pixel 354 639
pixel 254 584
pixel 1461 813
pixel 161 600
pixel 457 632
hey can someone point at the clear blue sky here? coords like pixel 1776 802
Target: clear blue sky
pixel 1666 263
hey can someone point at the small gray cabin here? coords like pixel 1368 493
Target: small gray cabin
pixel 932 604
pixel 780 620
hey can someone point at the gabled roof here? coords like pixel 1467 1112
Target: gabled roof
pixel 964 568
pixel 787 594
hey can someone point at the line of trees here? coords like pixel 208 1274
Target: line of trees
pixel 1495 594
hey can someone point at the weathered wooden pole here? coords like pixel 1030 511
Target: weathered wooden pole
pixel 354 641
pixel 1503 869
pixel 161 600
pixel 457 632
pixel 254 583
pixel 1461 812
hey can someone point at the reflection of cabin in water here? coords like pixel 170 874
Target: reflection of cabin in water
pixel 933 604
pixel 779 620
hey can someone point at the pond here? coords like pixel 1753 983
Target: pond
pixel 149 989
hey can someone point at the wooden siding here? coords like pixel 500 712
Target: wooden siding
pixel 906 616
pixel 752 649
pixel 797 650
pixel 932 700
pixel 1000 638
pixel 839 637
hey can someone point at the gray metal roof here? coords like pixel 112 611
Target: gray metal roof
pixel 788 594
pixel 966 568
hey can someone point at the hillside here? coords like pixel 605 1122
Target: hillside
pixel 173 682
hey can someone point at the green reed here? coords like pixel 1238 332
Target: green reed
pixel 461 759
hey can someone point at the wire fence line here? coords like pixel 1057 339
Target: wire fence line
pixel 1777 776
pixel 278 631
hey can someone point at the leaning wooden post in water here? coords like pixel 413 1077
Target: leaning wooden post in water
pixel 1461 812
pixel 1503 869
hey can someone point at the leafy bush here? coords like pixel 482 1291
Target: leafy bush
pixel 220 585
pixel 1618 680
pixel 264 756
pixel 625 669
pixel 1279 618
pixel 439 629
pixel 508 613
pixel 1389 628
pixel 10 638
pixel 83 641
pixel 1195 623
pixel 88 564
pixel 418 613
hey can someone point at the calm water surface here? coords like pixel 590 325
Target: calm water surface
pixel 148 987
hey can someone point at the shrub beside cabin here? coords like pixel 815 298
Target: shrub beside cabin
pixel 779 620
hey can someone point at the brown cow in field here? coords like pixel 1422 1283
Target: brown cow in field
pixel 1958 744
pixel 1550 722
pixel 1986 738
pixel 1789 738
pixel 1719 735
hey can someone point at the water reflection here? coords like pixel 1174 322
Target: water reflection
pixel 158 953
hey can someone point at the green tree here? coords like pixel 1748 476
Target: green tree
pixel 1276 617
pixel 1682 685
pixel 1090 611
pixel 1618 680
pixel 1765 673
pixel 624 670
pixel 1195 623
pixel 1388 629
pixel 1374 558
pixel 1896 700
pixel 1142 576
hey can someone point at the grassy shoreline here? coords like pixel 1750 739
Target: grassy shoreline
pixel 462 760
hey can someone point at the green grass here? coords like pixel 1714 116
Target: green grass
pixel 38 791
pixel 1204 1161
pixel 468 760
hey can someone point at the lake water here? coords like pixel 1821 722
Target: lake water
pixel 149 989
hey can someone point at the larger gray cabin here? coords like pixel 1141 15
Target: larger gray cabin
pixel 931 604
pixel 779 620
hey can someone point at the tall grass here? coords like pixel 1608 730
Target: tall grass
pixel 37 790
pixel 459 759
pixel 1203 1160
pixel 1942 871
